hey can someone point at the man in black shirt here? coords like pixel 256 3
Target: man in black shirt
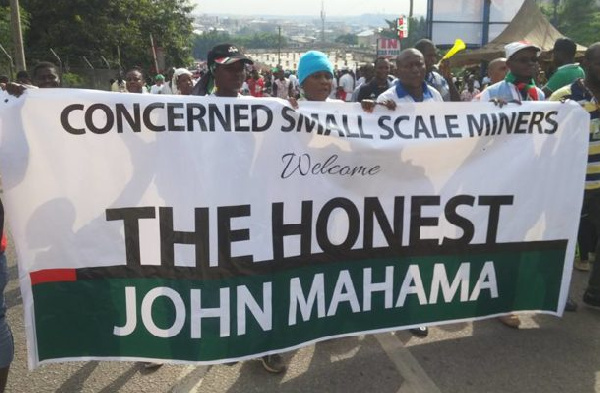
pixel 380 83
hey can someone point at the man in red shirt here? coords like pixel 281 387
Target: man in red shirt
pixel 256 84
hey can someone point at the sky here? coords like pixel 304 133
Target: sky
pixel 308 7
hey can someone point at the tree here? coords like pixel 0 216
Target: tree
pixel 576 19
pixel 417 29
pixel 119 30
pixel 204 42
pixel 348 39
pixel 6 39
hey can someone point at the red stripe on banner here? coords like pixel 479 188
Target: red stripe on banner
pixel 53 275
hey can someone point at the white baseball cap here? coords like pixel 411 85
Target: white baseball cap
pixel 517 46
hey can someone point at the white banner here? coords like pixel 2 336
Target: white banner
pixel 101 187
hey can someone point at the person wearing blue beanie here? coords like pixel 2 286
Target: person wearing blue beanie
pixel 315 74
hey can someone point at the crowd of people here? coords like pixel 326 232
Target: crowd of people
pixel 413 76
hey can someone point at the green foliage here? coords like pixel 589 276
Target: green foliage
pixel 69 79
pixel 417 29
pixel 260 40
pixel 119 30
pixel 6 39
pixel 204 42
pixel 348 39
pixel 576 19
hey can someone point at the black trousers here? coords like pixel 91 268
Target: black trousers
pixel 591 204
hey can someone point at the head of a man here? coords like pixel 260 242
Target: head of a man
pixel 367 71
pixel 522 59
pixel 159 79
pixel 429 52
pixel 411 68
pixel 45 75
pixel 471 82
pixel 591 65
pixel 279 73
pixel 134 80
pixel 315 75
pixel 227 64
pixel 382 69
pixel 564 51
pixel 497 70
pixel 23 78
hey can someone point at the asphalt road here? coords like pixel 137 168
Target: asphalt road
pixel 546 355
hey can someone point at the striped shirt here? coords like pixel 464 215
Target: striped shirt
pixel 579 93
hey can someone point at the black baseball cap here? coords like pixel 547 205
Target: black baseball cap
pixel 227 54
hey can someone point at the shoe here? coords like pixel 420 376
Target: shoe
pixel 582 266
pixel 511 320
pixel 591 300
pixel 421 331
pixel 571 305
pixel 273 363
pixel 152 365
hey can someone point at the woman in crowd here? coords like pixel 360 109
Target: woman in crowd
pixel 183 82
pixel 315 75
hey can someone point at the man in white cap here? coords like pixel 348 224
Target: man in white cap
pixel 518 85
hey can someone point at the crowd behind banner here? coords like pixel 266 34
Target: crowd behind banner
pixel 416 75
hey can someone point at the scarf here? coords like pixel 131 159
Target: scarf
pixel 527 90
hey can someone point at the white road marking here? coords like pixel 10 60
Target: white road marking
pixel 416 379
pixel 190 379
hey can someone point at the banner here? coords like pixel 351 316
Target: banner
pixel 200 229
pixel 388 47
pixel 402 27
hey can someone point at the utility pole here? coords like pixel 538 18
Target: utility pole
pixel 279 46
pixel 410 13
pixel 154 53
pixel 15 19
pixel 323 23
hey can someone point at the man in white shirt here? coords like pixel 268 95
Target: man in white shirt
pixel 346 85
pixel 518 85
pixel 283 85
pixel 158 85
pixel 411 86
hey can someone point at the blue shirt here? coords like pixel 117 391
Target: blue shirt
pixel 438 82
pixel 399 94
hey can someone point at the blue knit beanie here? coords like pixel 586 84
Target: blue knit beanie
pixel 311 62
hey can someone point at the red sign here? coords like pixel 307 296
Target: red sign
pixel 388 47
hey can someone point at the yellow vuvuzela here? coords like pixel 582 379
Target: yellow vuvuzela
pixel 458 46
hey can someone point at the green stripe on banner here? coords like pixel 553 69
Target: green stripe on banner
pixel 78 318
